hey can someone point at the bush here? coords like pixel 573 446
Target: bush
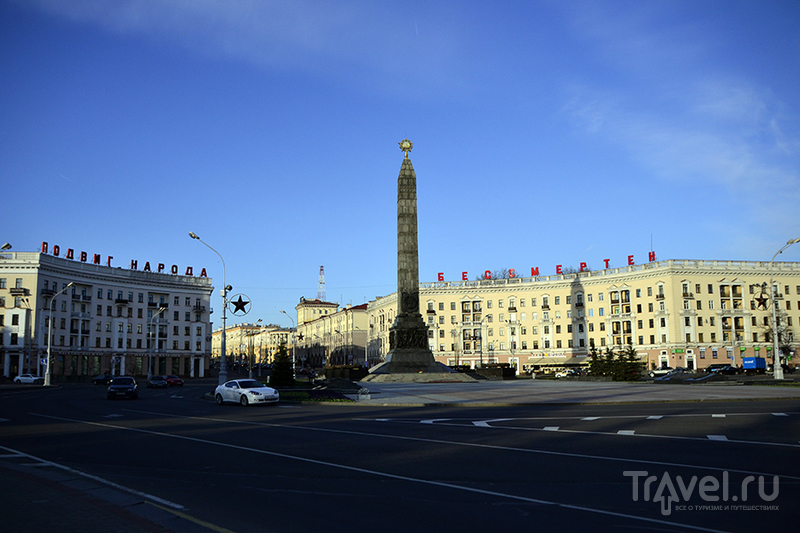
pixel 282 373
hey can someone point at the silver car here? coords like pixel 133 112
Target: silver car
pixel 245 392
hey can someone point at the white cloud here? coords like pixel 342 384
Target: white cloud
pixel 366 41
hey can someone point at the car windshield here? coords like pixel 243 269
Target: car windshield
pixel 250 384
pixel 123 381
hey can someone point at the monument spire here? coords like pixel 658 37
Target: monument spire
pixel 410 358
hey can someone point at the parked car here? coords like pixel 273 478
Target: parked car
pixel 28 378
pixel 567 373
pixel 173 381
pixel 102 379
pixel 123 387
pixel 157 382
pixel 663 371
pixel 245 392
pixel 721 368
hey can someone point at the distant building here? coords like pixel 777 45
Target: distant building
pixel 674 313
pixel 254 344
pixel 328 335
pixel 111 320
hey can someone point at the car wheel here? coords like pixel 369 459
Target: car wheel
pixel 243 399
pixel 218 399
pixel 652 374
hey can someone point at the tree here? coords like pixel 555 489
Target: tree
pixel 503 273
pixel 628 367
pixel 282 373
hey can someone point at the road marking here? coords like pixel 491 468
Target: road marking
pixel 655 417
pixel 550 428
pixel 472 444
pixel 190 518
pixel 626 432
pixel 45 462
pixel 377 473
pixel 717 437
pixel 717 416
pixel 591 418
pixel 779 414
pixel 432 420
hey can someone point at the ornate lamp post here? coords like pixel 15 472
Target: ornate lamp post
pixel 776 359
pixel 50 334
pixel 223 369
pixel 293 337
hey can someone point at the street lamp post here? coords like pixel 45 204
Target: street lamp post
pixel 777 367
pixel 50 334
pixel 152 343
pixel 293 338
pixel 223 369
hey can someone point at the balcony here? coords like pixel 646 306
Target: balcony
pixel 660 296
pixel 122 301
pixel 18 291
pixel 688 295
pixel 156 305
pixel 47 292
pixel 199 309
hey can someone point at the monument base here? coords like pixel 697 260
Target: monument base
pixel 413 366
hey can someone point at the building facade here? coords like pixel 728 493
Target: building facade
pixel 247 344
pixel 676 313
pixel 328 335
pixel 110 320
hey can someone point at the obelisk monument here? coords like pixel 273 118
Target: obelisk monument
pixel 409 354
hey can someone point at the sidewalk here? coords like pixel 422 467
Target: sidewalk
pixel 533 392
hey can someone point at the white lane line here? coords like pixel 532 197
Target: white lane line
pixel 476 445
pixel 550 428
pixel 779 414
pixel 655 417
pixel 717 437
pixel 45 462
pixel 717 416
pixel 591 418
pixel 626 432
pixel 375 473
pixel 432 420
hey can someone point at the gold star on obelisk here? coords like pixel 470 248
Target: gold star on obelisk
pixel 406 146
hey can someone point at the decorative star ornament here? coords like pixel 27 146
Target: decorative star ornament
pixel 241 305
pixel 406 146
pixel 761 301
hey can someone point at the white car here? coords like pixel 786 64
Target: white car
pixel 661 371
pixel 28 378
pixel 245 392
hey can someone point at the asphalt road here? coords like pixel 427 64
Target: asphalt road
pixel 173 461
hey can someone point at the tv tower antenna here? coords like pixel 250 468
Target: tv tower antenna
pixel 321 286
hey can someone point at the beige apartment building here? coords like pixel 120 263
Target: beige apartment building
pixel 110 320
pixel 677 313
pixel 328 335
pixel 254 344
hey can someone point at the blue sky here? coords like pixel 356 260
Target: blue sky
pixel 545 133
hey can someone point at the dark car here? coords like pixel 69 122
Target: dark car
pixel 173 380
pixel 102 379
pixel 123 387
pixel 157 382
pixel 722 369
